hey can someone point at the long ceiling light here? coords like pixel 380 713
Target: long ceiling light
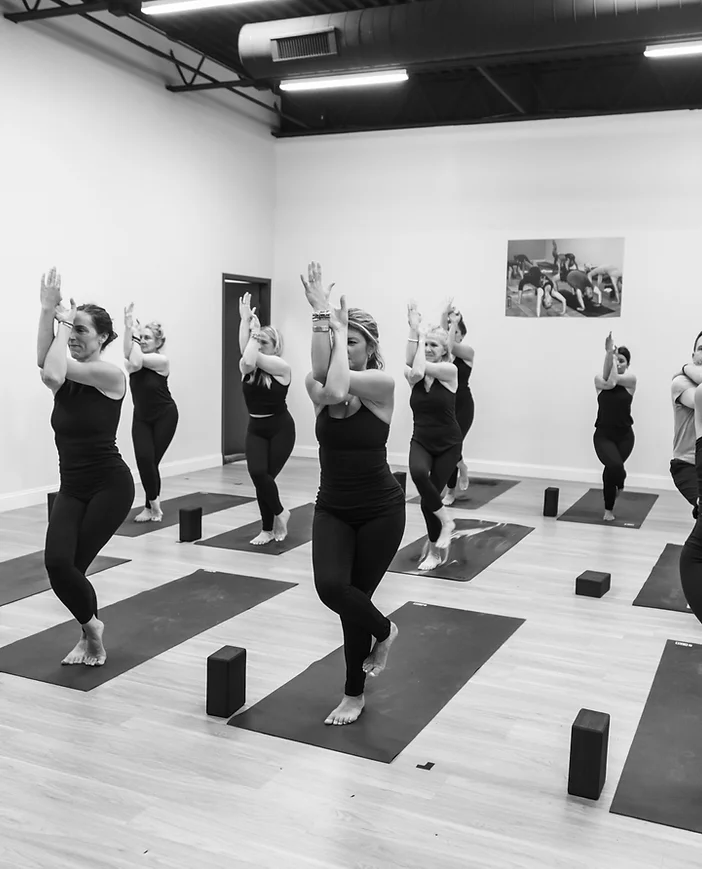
pixel 165 7
pixel 345 81
pixel 674 49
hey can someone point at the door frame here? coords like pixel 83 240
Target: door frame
pixel 227 278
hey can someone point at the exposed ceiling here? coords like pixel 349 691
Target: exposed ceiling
pixel 469 61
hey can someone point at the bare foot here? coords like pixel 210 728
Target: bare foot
pixel 378 658
pixel 447 529
pixel 77 654
pixel 430 560
pixel 156 516
pixel 144 516
pixel 463 479
pixel 95 654
pixel 347 711
pixel 262 538
pixel 609 516
pixel 449 497
pixel 280 525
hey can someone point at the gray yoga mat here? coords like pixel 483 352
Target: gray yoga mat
pixel 630 509
pixel 299 533
pixel 662 590
pixel 480 492
pixel 139 628
pixel 662 778
pixel 26 575
pixel 475 545
pixel 436 652
pixel 211 502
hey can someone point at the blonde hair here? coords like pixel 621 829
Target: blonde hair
pixel 362 322
pixel 159 334
pixel 263 377
pixel 440 335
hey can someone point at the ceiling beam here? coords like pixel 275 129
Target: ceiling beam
pixel 498 87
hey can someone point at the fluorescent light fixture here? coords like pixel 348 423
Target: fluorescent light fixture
pixel 168 7
pixel 674 49
pixel 345 81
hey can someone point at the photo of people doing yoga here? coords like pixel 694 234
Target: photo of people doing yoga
pixel 565 277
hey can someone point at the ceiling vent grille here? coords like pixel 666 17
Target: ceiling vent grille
pixel 301 46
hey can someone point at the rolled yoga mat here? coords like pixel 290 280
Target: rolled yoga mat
pixel 299 533
pixel 139 628
pixel 436 652
pixel 662 778
pixel 630 509
pixel 662 590
pixel 480 492
pixel 26 575
pixel 475 545
pixel 211 502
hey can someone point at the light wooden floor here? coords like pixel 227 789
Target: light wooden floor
pixel 135 774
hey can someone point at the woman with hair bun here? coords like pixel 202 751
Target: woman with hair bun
pixel 155 416
pixel 359 515
pixel 614 427
pixel 270 436
pixel 435 448
pixel 96 489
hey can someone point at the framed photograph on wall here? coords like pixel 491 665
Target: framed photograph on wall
pixel 565 277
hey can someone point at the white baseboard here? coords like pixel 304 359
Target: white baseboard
pixel 532 472
pixel 30 497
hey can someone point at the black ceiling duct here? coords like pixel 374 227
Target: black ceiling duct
pixel 457 32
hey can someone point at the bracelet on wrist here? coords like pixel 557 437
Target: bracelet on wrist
pixel 321 315
pixel 413 340
pixel 66 323
pixel 136 340
pixel 320 327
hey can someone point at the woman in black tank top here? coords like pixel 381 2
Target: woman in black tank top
pixel 614 432
pixel 463 358
pixel 97 489
pixel 435 448
pixel 270 436
pixel 359 516
pixel 155 416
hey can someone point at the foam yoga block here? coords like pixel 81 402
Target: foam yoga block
pixel 551 501
pixel 190 519
pixel 50 498
pixel 226 681
pixel 589 738
pixel 592 583
pixel 401 477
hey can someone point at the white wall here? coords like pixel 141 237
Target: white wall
pixel 427 214
pixel 134 194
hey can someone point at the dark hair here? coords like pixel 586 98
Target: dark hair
pixel 694 346
pixel 101 321
pixel 461 326
pixel 624 351
pixel 364 323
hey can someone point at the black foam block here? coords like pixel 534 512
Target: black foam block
pixel 551 501
pixel 50 498
pixel 190 521
pixel 401 477
pixel 592 583
pixel 589 739
pixel 226 681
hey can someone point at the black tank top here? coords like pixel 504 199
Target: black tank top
pixel 355 480
pixel 261 400
pixel 614 408
pixel 463 393
pixel 435 425
pixel 85 427
pixel 150 393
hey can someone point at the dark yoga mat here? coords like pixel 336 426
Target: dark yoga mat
pixel 630 510
pixel 662 777
pixel 480 492
pixel 211 502
pixel 475 544
pixel 299 532
pixel 140 627
pixel 662 590
pixel 24 576
pixel 436 653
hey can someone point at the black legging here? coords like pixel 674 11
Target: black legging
pixel 349 560
pixel 685 478
pixel 78 529
pixel 691 570
pixel 430 473
pixel 465 421
pixel 613 448
pixel 151 440
pixel 269 442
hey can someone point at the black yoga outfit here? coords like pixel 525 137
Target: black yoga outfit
pixel 435 448
pixel 269 441
pixel 691 555
pixel 358 525
pixel 96 493
pixel 613 439
pixel 153 426
pixel 465 407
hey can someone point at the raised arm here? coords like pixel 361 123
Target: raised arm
pixel 50 297
pixel 318 298
pixel 609 358
pixel 693 372
pixel 131 344
pixel 245 314
pixel 336 386
pixel 55 368
pixel 457 344
pixel 415 356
